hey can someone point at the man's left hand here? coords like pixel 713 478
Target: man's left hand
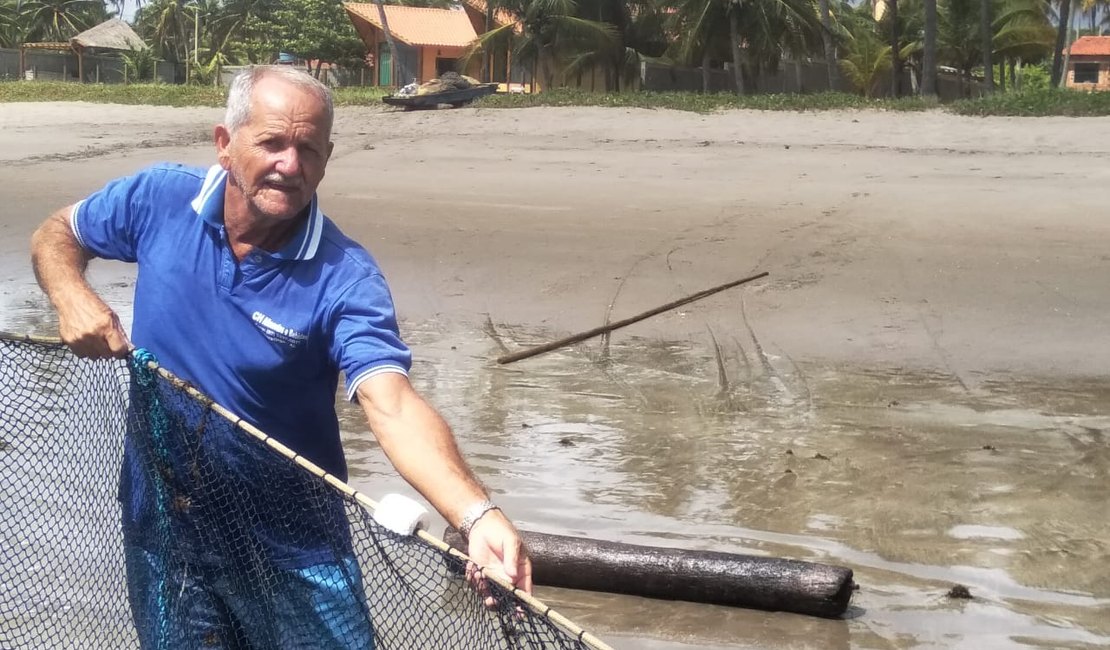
pixel 495 545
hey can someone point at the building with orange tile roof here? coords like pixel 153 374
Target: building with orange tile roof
pixel 429 41
pixel 1089 64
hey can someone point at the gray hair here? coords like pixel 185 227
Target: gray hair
pixel 242 88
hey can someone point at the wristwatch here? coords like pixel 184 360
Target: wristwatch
pixel 473 514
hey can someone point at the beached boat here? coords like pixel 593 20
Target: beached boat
pixel 455 97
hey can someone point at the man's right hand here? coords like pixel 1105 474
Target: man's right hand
pixel 91 329
pixel 85 323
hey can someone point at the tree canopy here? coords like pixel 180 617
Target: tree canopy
pixel 558 39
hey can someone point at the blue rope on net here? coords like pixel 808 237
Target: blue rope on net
pixel 146 378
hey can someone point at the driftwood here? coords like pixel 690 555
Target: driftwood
pixel 748 581
pixel 598 331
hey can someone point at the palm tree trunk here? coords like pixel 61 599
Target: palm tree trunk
pixel 705 72
pixel 487 57
pixel 986 33
pixel 1061 41
pixel 1002 75
pixel 895 52
pixel 827 44
pixel 394 60
pixel 734 41
pixel 929 56
pixel 1067 47
pixel 546 68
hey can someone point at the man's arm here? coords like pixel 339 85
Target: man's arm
pixel 421 446
pixel 85 323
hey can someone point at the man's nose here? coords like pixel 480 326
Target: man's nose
pixel 289 163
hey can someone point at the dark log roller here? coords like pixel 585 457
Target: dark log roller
pixel 749 581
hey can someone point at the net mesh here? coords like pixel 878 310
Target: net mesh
pixel 135 515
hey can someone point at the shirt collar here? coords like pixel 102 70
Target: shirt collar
pixel 209 205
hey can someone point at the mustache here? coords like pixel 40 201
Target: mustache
pixel 281 179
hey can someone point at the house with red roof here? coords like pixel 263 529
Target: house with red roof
pixel 1089 63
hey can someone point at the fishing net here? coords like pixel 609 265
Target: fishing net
pixel 228 539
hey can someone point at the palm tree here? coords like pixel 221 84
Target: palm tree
pixel 238 23
pixel 638 34
pixel 986 34
pixel 957 37
pixel 1095 7
pixel 759 32
pixel 866 58
pixel 771 29
pixel 866 62
pixel 168 26
pixel 230 32
pixel 827 45
pixel 1062 28
pixel 1022 32
pixel 929 51
pixel 9 24
pixel 707 23
pixel 548 34
pixel 59 20
pixel 734 44
pixel 895 47
pixel 702 36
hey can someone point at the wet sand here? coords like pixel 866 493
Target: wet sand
pixel 916 391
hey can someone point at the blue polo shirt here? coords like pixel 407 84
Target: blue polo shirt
pixel 266 336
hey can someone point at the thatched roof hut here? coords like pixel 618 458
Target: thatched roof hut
pixel 112 34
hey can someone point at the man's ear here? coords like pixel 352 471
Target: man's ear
pixel 331 147
pixel 223 141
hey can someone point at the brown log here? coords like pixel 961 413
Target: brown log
pixel 749 581
pixel 598 331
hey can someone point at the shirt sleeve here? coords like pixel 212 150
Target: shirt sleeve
pixel 365 339
pixel 109 223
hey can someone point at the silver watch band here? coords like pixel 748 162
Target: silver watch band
pixel 473 514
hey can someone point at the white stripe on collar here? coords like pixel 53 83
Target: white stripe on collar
pixel 212 181
pixel 313 232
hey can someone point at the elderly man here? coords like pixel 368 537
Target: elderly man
pixel 243 252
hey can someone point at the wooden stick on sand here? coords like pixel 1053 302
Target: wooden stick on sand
pixel 597 331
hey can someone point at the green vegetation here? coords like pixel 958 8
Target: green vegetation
pixel 360 96
pixel 1037 103
pixel 152 94
pixel 705 103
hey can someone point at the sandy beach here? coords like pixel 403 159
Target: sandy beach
pixel 917 390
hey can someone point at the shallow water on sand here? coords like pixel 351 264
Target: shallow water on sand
pixel 908 477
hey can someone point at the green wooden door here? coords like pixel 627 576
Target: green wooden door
pixel 385 65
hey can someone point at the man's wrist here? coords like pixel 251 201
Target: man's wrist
pixel 473 514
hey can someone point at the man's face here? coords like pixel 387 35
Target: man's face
pixel 276 160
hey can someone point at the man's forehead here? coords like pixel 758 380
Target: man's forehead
pixel 277 92
pixel 277 102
